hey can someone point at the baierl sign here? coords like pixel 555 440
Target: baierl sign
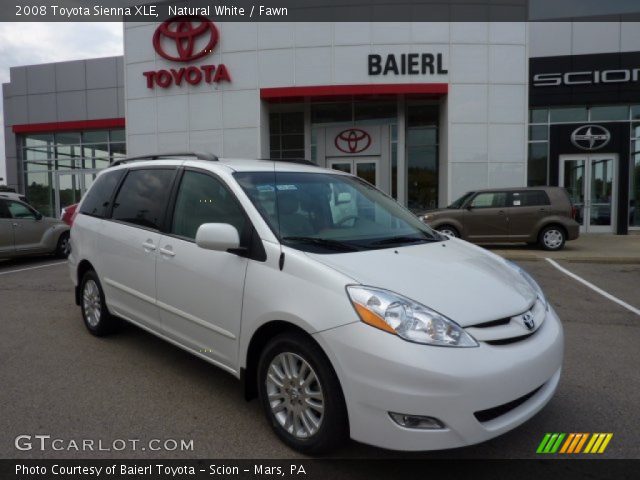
pixel 184 40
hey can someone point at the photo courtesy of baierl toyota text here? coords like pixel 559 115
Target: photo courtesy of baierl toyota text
pixel 319 239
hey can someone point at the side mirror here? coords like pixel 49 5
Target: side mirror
pixel 343 197
pixel 469 207
pixel 217 236
pixel 38 216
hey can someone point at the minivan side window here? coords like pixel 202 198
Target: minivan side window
pixel 490 200
pixel 142 197
pixel 529 198
pixel 97 199
pixel 204 199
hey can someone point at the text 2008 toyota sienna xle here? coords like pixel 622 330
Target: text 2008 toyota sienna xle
pixel 341 310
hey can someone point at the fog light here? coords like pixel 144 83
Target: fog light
pixel 416 421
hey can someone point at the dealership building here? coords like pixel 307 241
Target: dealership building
pixel 425 111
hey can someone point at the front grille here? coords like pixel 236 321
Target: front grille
pixel 508 341
pixel 495 412
pixel 493 323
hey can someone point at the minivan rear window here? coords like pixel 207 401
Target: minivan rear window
pixel 143 197
pixel 98 197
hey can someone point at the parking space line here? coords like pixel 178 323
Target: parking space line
pixel 593 287
pixel 33 268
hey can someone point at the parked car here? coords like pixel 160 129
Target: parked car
pixel 25 231
pixel 67 215
pixel 369 325
pixel 542 215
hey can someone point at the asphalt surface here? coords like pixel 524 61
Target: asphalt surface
pixel 56 379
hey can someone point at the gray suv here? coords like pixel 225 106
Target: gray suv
pixel 25 231
pixel 542 215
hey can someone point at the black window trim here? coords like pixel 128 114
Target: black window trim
pixel 109 213
pixel 255 250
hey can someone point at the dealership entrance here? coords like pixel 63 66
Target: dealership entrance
pixel 590 180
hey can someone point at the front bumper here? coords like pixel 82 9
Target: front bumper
pixel 381 373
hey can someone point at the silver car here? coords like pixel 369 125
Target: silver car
pixel 25 231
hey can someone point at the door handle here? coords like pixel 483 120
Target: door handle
pixel 167 251
pixel 501 212
pixel 148 246
pixel 15 224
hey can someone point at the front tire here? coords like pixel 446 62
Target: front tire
pixel 96 317
pixel 552 238
pixel 301 394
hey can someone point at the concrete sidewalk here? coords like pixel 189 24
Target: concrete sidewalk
pixel 590 248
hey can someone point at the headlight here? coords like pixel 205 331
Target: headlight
pixel 424 218
pixel 532 283
pixel 409 320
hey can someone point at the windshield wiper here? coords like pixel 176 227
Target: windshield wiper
pixel 403 239
pixel 324 242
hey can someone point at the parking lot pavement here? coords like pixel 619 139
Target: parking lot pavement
pixel 58 380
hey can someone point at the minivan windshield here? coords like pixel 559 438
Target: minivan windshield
pixel 331 213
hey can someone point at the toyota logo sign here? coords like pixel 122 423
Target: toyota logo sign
pixel 352 140
pixel 185 39
pixel 181 35
pixel 590 137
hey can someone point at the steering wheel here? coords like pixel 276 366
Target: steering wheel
pixel 347 218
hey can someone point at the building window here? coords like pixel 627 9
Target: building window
pixel 286 135
pixel 54 164
pixel 394 161
pixel 422 157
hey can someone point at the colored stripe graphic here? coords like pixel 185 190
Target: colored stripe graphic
pixel 573 443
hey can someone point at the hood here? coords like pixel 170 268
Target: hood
pixel 459 280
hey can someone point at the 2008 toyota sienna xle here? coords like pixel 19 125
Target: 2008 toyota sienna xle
pixel 335 305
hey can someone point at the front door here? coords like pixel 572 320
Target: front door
pixel 591 183
pixel 200 291
pixel 366 168
pixel 486 217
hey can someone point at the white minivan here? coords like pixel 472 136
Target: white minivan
pixel 343 312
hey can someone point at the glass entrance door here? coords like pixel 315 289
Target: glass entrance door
pixel 367 168
pixel 70 186
pixel 591 183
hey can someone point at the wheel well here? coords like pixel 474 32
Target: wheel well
pixel 258 341
pixel 83 268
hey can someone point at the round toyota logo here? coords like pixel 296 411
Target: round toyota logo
pixel 590 137
pixel 181 39
pixel 352 140
pixel 528 321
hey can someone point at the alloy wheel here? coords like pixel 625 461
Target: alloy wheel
pixel 295 395
pixel 91 303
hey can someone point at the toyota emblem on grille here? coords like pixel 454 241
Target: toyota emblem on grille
pixel 527 319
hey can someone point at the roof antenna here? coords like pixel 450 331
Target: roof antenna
pixel 275 196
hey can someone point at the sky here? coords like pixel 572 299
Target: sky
pixel 33 43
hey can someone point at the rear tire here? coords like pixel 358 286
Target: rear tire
pixel 63 247
pixel 301 394
pixel 449 230
pixel 552 238
pixel 96 317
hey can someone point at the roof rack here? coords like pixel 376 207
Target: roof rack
pixel 160 156
pixel 302 161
